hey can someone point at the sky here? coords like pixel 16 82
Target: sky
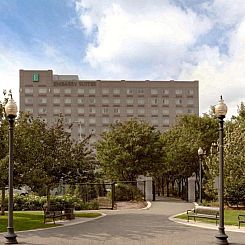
pixel 129 40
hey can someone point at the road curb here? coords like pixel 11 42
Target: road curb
pixel 204 225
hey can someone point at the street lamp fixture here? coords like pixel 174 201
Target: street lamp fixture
pixel 220 112
pixel 200 154
pixel 11 113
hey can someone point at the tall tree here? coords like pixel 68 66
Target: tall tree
pixel 129 149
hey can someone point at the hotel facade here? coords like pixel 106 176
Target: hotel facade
pixel 92 105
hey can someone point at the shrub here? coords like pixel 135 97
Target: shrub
pixel 127 192
pixel 34 203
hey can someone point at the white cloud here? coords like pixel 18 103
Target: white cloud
pixel 139 34
pixel 220 74
pixel 142 40
pixel 228 12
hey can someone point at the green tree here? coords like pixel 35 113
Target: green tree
pixel 128 150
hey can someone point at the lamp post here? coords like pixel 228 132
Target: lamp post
pixel 220 112
pixel 11 112
pixel 200 154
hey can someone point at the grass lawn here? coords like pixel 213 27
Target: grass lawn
pixel 29 220
pixel 230 217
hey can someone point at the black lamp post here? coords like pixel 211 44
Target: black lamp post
pixel 200 154
pixel 220 112
pixel 11 112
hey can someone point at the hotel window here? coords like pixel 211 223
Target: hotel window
pixel 130 101
pixel 92 120
pixel 165 112
pixel 189 102
pixel 105 91
pixel 116 91
pixel 92 130
pixel 116 101
pixel 56 100
pixel 42 110
pixel 178 101
pixel 105 101
pixel 190 92
pixel 116 110
pixel 130 111
pixel 30 110
pixel 129 91
pixel 105 120
pixel 67 91
pixel 141 101
pixel 104 130
pixel 154 121
pixel 67 120
pixel 179 111
pixel 116 120
pixel 68 130
pixel 178 91
pixel 154 91
pixel 80 101
pixel 42 100
pixel 56 110
pixel 80 91
pixel 165 91
pixel 80 110
pixel 140 91
pixel 92 110
pixel 92 101
pixel 67 100
pixel 81 130
pixel 28 100
pixel 42 90
pixel 154 101
pixel 166 121
pixel 28 90
pixel 154 112
pixel 80 121
pixel 56 91
pixel 67 110
pixel 44 119
pixel 91 91
pixel 165 102
pixel 105 110
pixel 141 111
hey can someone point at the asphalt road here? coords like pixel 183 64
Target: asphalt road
pixel 131 227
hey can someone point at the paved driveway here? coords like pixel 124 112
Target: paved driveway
pixel 131 227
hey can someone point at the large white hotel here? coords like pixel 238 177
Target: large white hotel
pixel 92 105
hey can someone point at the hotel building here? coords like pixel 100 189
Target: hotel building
pixel 92 105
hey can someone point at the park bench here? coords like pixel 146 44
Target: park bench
pixel 241 219
pixel 53 212
pixel 203 212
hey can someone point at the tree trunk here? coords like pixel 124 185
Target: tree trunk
pixel 3 201
pixel 163 185
pixel 48 196
pixel 167 187
pixel 172 185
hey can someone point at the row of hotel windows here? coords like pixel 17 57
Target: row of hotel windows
pixel 92 110
pixel 107 91
pixel 106 121
pixel 92 101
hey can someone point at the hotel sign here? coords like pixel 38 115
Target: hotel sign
pixel 74 83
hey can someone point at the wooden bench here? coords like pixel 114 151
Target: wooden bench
pixel 203 212
pixel 54 212
pixel 241 219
